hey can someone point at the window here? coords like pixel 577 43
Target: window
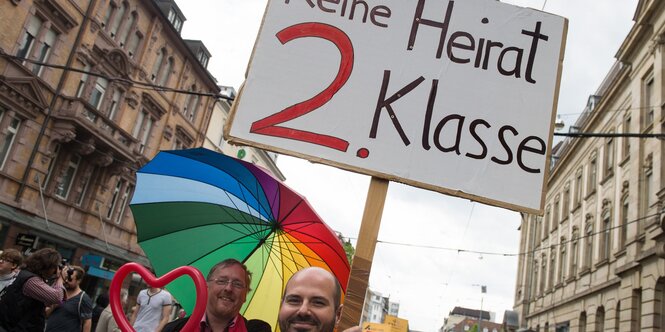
pixel 600 319
pixel 606 236
pixel 636 310
pixel 98 92
pixel 113 106
pixel 566 202
pixel 175 19
pixel 623 230
pixel 165 72
pixel 578 187
pixel 582 322
pixel 626 140
pixel 143 128
pixel 85 183
pixel 609 155
pixel 28 39
pixel 543 268
pixel 134 42
pixel 203 58
pixel 557 208
pixel 536 233
pixel 128 27
pixel 552 269
pixel 158 64
pixel 588 244
pixel 191 104
pixel 10 125
pixel 44 50
pixel 546 222
pixel 117 17
pixel 574 252
pixel 84 78
pixel 649 101
pixel 562 259
pixel 30 47
pixel 124 203
pixel 51 166
pixel 535 279
pixel 66 179
pixel 649 187
pixel 119 200
pixel 593 170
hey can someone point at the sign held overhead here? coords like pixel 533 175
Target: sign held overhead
pixel 453 96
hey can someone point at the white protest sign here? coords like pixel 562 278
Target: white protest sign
pixel 453 96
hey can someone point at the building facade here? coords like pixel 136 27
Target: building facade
pixel 90 90
pixel 376 307
pixel 594 261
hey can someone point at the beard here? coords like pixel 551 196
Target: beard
pixel 318 326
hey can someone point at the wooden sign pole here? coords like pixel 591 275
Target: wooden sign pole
pixel 362 260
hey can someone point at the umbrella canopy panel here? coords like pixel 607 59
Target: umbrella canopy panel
pixel 197 207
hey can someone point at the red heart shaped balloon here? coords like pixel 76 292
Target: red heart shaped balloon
pixel 196 275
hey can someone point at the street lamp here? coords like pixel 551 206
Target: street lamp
pixel 483 290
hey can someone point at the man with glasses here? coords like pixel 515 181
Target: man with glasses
pixel 228 285
pixel 10 261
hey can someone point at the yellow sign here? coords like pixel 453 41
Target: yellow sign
pixel 397 324
pixel 376 327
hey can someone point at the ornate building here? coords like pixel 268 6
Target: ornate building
pixel 90 90
pixel 595 260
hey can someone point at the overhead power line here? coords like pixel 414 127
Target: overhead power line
pixel 507 254
pixel 606 135
pixel 119 79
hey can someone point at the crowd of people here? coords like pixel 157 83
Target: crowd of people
pixel 40 293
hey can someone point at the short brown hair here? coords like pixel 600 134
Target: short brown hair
pixel 42 261
pixel 78 271
pixel 13 256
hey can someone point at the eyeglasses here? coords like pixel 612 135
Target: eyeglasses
pixel 237 284
pixel 2 260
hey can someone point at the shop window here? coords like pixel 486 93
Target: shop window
pixel 9 127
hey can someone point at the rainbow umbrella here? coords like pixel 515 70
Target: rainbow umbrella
pixel 196 207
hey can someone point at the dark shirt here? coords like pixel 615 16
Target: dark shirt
pixel 66 317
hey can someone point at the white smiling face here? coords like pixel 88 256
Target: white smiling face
pixel 225 299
